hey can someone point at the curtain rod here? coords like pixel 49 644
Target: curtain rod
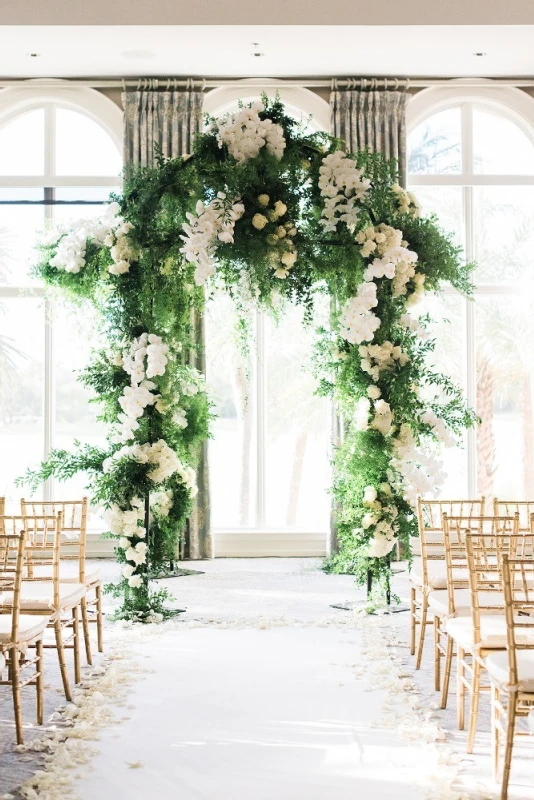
pixel 268 83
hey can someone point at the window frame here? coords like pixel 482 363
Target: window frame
pixel 104 112
pixel 259 540
pixel 510 103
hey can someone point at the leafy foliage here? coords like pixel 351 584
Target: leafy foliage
pixel 157 294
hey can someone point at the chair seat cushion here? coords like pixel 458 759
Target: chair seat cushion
pixel 492 632
pixel 438 601
pixel 497 666
pixel 29 628
pixel 92 575
pixel 437 574
pixel 39 595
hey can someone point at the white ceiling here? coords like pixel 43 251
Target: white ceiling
pixel 216 51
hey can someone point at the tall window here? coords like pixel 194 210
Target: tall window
pixel 269 457
pixel 57 161
pixel 471 161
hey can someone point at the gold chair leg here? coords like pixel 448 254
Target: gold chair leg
pixel 76 644
pixel 447 675
pixel 86 636
pixel 475 698
pixel 437 654
pixel 510 729
pixel 39 680
pixel 495 743
pixel 61 658
pixel 14 659
pixel 412 621
pixel 460 690
pixel 424 609
pixel 99 624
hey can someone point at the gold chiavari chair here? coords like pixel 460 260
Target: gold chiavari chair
pixel 512 672
pixel 73 548
pixel 484 632
pixel 18 631
pixel 455 600
pixel 45 595
pixel 429 572
pixel 525 509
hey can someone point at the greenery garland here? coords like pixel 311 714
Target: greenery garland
pixel 272 215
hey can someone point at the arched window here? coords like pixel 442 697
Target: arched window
pixel 269 464
pixel 60 156
pixel 471 160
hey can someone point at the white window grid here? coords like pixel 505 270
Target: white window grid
pixel 49 182
pixel 468 180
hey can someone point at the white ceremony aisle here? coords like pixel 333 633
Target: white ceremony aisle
pixel 263 691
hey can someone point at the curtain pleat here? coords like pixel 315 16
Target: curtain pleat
pixel 152 119
pixel 366 116
pixel 168 121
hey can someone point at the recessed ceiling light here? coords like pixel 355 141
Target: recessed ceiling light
pixel 138 54
pixel 480 55
pixel 34 55
pixel 258 55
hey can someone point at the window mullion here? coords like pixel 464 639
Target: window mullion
pixel 260 419
pixel 49 384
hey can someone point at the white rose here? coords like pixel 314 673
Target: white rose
pixel 369 495
pixel 373 392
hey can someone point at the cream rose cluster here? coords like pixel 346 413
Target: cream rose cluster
pixel 244 134
pixel 162 458
pixel 211 224
pixel 343 188
pixel 377 358
pixel 380 520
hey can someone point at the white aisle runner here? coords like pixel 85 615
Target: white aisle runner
pixel 252 714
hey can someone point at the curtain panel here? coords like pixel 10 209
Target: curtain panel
pixel 368 113
pixel 166 121
pixel 372 113
pixel 155 118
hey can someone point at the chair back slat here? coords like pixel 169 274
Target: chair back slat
pixel 74 515
pixel 518 580
pixel 430 525
pixel 12 546
pixel 507 508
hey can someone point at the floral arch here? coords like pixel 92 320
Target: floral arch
pixel 274 215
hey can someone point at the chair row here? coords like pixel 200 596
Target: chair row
pixel 475 583
pixel 44 583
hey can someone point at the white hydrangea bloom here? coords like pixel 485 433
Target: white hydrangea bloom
pixel 244 134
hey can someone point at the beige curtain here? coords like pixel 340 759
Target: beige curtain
pixel 168 119
pixel 372 113
pixel 160 117
pixel 367 113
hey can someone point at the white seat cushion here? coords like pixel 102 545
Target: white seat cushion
pixel 39 595
pixel 437 574
pixel 92 575
pixel 438 601
pixel 497 666
pixel 492 632
pixel 29 628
